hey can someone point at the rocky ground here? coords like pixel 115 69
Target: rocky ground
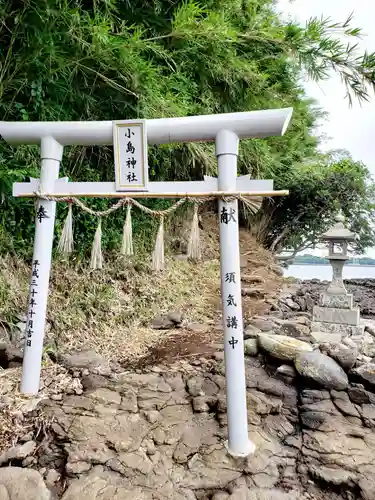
pixel 363 291
pixel 157 431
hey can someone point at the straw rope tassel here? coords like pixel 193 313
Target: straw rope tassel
pixel 252 204
pixel 194 246
pixel 96 253
pixel 66 243
pixel 158 254
pixel 127 235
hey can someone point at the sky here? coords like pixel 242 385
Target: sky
pixel 347 128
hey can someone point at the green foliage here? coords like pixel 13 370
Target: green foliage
pixel 317 192
pixel 113 59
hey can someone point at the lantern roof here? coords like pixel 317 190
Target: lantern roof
pixel 338 231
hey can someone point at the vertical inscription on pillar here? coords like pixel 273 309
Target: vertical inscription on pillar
pixel 228 216
pixel 33 298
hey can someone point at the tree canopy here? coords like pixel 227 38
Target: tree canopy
pixel 317 192
pixel 116 59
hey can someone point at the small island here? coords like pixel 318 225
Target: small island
pixel 314 260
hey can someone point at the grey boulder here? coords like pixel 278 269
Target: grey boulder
pixel 366 373
pixel 344 355
pixel 17 483
pixel 322 369
pixel 282 347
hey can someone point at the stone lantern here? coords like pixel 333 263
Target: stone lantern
pixel 338 238
pixel 335 317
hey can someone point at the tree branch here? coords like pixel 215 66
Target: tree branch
pixel 284 232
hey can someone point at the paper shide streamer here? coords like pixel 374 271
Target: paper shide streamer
pixel 194 253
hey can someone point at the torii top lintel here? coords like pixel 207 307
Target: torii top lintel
pixel 265 123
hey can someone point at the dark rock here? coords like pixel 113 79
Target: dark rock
pixel 162 323
pixel 291 304
pixel 370 329
pixel 359 395
pixel 251 332
pixel 294 328
pixel 9 354
pixel 362 290
pixel 88 359
pixel 200 404
pixel 256 293
pixel 313 419
pixel 322 369
pixel 344 355
pixel 258 378
pixel 366 373
pixel 278 388
pixel 303 314
pixel 342 395
pixel 286 372
pixel 176 317
pixel 309 396
pixel 18 452
pixel 368 413
pixel 309 302
pixel 93 381
pixel 325 406
pixel 346 407
pixel 195 386
pixel 264 325
pixel 52 477
pixel 301 301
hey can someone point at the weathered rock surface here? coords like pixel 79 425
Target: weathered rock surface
pixel 87 359
pixel 159 433
pixel 366 373
pixel 282 347
pixel 251 347
pixel 274 494
pixel 9 354
pixel 344 355
pixel 17 483
pixel 362 290
pixel 18 452
pixel 322 369
pixel 251 332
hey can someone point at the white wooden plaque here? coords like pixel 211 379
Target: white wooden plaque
pixel 130 152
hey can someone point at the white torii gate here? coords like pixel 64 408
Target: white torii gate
pixel 225 130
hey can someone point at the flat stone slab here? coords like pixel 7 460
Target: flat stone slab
pixel 334 315
pixel 324 337
pixel 336 301
pixel 343 330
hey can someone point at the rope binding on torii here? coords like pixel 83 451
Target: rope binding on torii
pixel 66 242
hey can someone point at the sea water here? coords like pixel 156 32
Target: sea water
pixel 324 272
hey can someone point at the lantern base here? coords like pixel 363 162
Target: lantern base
pixel 334 332
pixel 341 301
pixel 335 315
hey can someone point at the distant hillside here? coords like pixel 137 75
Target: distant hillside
pixel 315 260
